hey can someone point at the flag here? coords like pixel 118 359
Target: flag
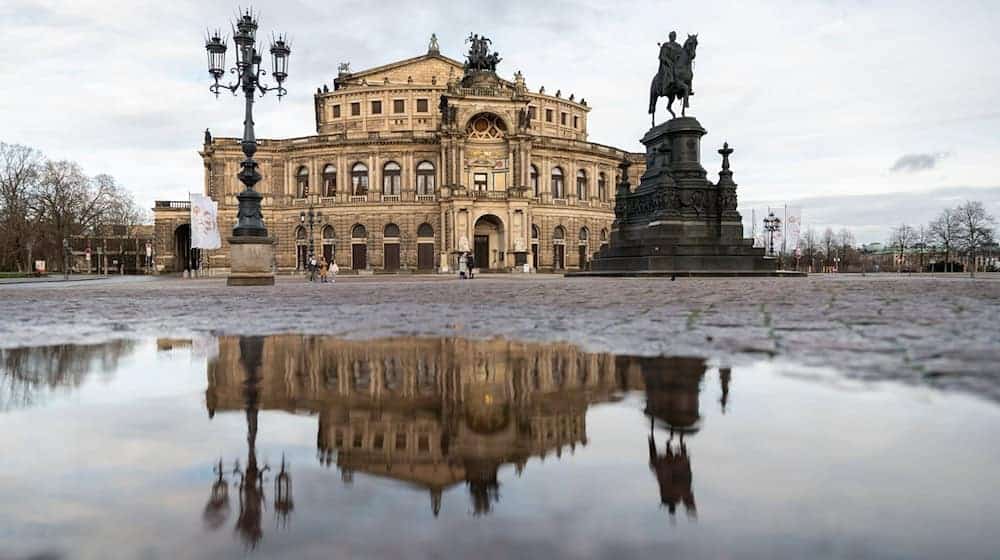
pixel 793 226
pixel 204 223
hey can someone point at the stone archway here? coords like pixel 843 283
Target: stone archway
pixel 488 243
pixel 185 257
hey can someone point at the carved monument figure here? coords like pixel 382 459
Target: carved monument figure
pixel 674 78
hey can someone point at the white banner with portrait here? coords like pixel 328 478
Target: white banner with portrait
pixel 204 223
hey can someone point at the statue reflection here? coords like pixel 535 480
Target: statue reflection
pixel 437 414
pixel 672 403
pixel 249 480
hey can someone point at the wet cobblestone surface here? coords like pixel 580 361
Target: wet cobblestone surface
pixel 940 331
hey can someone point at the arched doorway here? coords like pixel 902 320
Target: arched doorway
pixel 390 248
pixel 185 257
pixel 559 248
pixel 584 246
pixel 425 247
pixel 329 243
pixel 301 248
pixel 535 235
pixel 359 247
pixel 488 246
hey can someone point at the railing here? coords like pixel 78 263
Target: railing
pixel 490 195
pixel 481 91
pixel 425 198
pixel 390 198
pixel 560 201
pixel 359 198
pixel 178 204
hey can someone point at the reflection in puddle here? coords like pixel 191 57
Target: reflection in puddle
pixel 441 413
pixel 457 448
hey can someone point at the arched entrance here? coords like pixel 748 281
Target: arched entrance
pixel 488 246
pixel 359 247
pixel 425 247
pixel 185 257
pixel 390 248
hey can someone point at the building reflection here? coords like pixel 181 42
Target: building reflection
pixel 443 413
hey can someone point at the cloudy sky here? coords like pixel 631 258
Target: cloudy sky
pixel 866 113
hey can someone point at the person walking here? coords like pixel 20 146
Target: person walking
pixel 463 266
pixel 322 270
pixel 334 269
pixel 471 264
pixel 312 268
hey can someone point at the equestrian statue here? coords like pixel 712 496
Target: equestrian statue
pixel 673 79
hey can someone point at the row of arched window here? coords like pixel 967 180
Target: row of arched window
pixel 558 184
pixel 358 231
pixel 559 234
pixel 425 230
pixel 392 176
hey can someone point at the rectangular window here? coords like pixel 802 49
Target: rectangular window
pixel 421 105
pixel 562 119
pixel 532 112
pixel 548 115
pixel 356 109
pixel 376 107
pixel 576 121
pixel 479 180
pixel 336 111
pixel 398 106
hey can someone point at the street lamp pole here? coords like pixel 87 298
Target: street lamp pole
pixel 310 217
pixel 772 224
pixel 248 71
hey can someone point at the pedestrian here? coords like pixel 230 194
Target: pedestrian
pixel 312 268
pixel 472 265
pixel 334 269
pixel 463 266
pixel 322 270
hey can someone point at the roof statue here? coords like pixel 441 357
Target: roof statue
pixel 344 68
pixel 674 76
pixel 432 47
pixel 479 58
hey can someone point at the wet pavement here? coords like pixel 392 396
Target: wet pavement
pixel 297 446
pixel 942 331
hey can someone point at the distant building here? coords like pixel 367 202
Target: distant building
pixel 113 250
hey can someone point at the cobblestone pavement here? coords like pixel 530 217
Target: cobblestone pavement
pixel 941 331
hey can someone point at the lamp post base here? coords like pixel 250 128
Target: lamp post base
pixel 251 261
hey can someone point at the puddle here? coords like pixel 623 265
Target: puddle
pixel 314 447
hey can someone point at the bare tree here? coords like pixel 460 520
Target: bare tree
pixel 19 173
pixel 944 230
pixel 69 203
pixel 845 245
pixel 809 244
pixel 829 244
pixel 921 241
pixel 901 239
pixel 974 230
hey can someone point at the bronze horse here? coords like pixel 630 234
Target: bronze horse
pixel 680 86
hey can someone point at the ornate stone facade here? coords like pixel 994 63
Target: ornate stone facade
pixel 415 162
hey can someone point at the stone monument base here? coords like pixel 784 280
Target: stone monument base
pixel 676 222
pixel 251 260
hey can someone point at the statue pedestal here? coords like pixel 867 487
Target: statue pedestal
pixel 251 260
pixel 677 221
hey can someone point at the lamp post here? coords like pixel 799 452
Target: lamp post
pixel 772 224
pixel 248 72
pixel 311 218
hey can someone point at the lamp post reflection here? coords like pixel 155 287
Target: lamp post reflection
pixel 249 480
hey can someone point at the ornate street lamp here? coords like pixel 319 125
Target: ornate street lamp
pixel 248 73
pixel 772 224
pixel 310 217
